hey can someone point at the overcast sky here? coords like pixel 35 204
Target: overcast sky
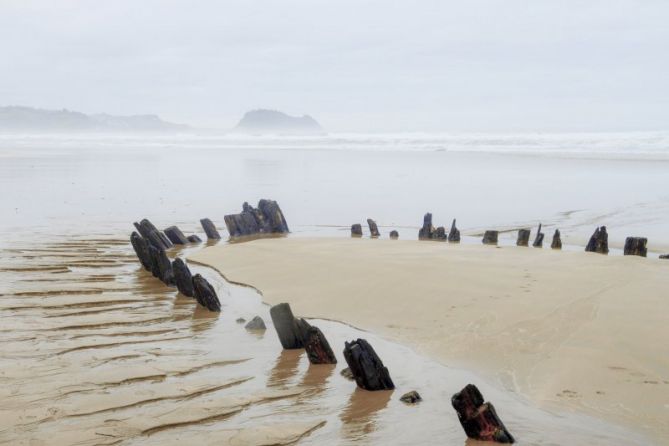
pixel 474 65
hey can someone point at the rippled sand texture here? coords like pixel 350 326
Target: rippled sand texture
pixel 95 351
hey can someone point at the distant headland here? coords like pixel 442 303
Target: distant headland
pixel 261 121
pixel 28 119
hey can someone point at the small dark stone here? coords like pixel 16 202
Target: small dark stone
pixel 183 277
pixel 347 373
pixel 240 320
pixel 161 267
pixel 412 397
pixel 490 237
pixel 427 231
pixel 539 238
pixel 557 241
pixel 454 234
pixel 366 366
pixel 285 326
pixel 523 237
pixel 599 242
pixel 479 419
pixel 636 246
pixel 394 235
pixel 210 229
pixel 256 324
pixel 194 239
pixel 373 229
pixel 356 230
pixel 205 294
pixel 317 347
pixel 141 247
pixel 175 235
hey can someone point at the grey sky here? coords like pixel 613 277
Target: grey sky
pixel 495 65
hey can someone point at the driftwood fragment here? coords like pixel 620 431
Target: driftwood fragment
pixel 366 366
pixel 141 247
pixel 267 218
pixel 373 229
pixel 426 232
pixel 557 240
pixel 539 238
pixel 599 242
pixel 256 324
pixel 317 346
pixel 412 397
pixel 490 237
pixel 636 246
pixel 205 294
pixel 479 419
pixel 523 237
pixel 194 239
pixel 394 235
pixel 175 235
pixel 356 230
pixel 161 267
pixel 210 229
pixel 454 234
pixel 286 326
pixel 183 278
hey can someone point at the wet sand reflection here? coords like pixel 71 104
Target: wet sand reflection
pixel 285 368
pixel 360 414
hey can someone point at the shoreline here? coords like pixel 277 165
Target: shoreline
pixel 523 355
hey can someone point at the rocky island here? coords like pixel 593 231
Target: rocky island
pixel 261 122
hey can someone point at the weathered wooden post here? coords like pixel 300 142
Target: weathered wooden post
pixel 539 238
pixel 210 229
pixel 440 234
pixel 161 267
pixel 266 219
pixel 159 240
pixel 194 239
pixel 141 247
pixel 557 241
pixel 490 237
pixel 523 237
pixel 175 235
pixel 599 242
pixel 479 419
pixel 286 327
pixel 394 235
pixel 316 345
pixel 356 230
pixel 425 233
pixel 373 229
pixel 205 294
pixel 454 235
pixel 366 366
pixel 183 277
pixel 636 246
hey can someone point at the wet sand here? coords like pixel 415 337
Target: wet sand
pixel 573 331
pixel 96 351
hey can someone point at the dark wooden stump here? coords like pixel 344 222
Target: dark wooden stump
pixel 523 237
pixel 394 235
pixel 599 242
pixel 539 238
pixel 490 237
pixel 454 235
pixel 274 216
pixel 356 230
pixel 141 247
pixel 210 229
pixel 557 241
pixel 183 278
pixel 427 231
pixel 158 240
pixel 479 419
pixel 412 397
pixel 285 325
pixel 175 235
pixel 256 324
pixel 145 227
pixel 194 239
pixel 205 294
pixel 317 346
pixel 267 218
pixel 636 246
pixel 366 366
pixel 161 267
pixel 373 229
pixel 664 256
pixel 440 234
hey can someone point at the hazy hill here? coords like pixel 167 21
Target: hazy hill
pixel 30 119
pixel 275 122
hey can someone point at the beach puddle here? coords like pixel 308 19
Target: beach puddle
pixel 98 352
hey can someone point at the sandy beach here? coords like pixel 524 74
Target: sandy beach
pixel 572 331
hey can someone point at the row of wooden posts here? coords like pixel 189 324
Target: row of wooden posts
pixel 599 241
